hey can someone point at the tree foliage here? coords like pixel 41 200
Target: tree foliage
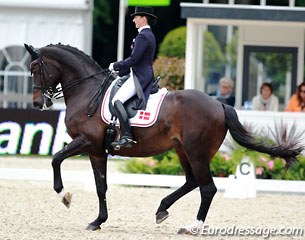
pixel 213 57
pixel 231 49
pixel 171 58
pixel 105 33
pixel 173 45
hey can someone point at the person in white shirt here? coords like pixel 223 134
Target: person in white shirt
pixel 265 101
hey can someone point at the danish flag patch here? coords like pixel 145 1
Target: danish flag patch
pixel 144 115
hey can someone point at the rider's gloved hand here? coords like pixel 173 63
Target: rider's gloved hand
pixel 110 67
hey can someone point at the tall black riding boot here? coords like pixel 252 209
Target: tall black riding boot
pixel 126 139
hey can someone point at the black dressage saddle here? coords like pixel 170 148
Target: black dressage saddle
pixel 130 104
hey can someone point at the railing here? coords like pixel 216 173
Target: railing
pixel 267 121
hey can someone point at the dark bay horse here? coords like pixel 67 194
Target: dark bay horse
pixel 190 122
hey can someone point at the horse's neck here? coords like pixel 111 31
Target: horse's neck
pixel 77 88
pixel 81 90
pixel 76 74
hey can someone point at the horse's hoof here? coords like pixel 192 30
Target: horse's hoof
pixel 183 231
pixel 161 216
pixel 66 200
pixel 186 231
pixel 192 229
pixel 93 227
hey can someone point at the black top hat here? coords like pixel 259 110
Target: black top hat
pixel 144 11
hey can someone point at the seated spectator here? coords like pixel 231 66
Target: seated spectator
pixel 297 100
pixel 225 92
pixel 265 101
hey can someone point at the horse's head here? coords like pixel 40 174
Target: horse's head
pixel 46 77
pixel 67 65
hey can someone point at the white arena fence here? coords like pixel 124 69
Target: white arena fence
pixel 86 179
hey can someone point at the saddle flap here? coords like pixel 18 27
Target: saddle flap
pixel 138 118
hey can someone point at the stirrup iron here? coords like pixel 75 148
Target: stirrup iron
pixel 117 145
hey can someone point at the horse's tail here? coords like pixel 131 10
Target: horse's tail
pixel 248 140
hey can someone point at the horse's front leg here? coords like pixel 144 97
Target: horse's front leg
pixel 76 147
pixel 99 166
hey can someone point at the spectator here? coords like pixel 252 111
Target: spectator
pixel 265 101
pixel 297 100
pixel 225 92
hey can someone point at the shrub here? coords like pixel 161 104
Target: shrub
pixel 139 165
pixel 171 58
pixel 171 69
pixel 173 44
pixel 168 163
pixel 222 165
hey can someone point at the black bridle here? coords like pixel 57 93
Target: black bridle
pixel 53 92
pixel 47 91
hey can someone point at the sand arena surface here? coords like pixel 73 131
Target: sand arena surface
pixel 32 210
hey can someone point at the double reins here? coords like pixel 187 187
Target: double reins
pixel 79 81
pixel 53 92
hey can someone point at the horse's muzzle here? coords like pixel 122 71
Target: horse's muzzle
pixel 36 104
pixel 43 103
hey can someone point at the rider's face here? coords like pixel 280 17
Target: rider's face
pixel 139 21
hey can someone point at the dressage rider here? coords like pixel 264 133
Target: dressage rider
pixel 139 66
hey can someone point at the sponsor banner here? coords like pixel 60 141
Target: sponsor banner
pixel 149 2
pixel 29 131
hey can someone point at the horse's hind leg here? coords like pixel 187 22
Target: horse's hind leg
pixel 99 166
pixel 189 185
pixel 74 148
pixel 207 192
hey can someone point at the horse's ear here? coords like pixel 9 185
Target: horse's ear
pixel 32 51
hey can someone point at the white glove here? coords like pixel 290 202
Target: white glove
pixel 110 67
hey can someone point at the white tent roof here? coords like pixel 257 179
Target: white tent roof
pixel 49 4
pixel 42 22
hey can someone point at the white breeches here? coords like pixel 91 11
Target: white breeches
pixel 125 92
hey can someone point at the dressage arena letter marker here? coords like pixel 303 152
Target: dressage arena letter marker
pixel 244 168
pixel 242 185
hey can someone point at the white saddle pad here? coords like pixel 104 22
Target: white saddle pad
pixel 143 118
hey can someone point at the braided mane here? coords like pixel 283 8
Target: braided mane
pixel 77 52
